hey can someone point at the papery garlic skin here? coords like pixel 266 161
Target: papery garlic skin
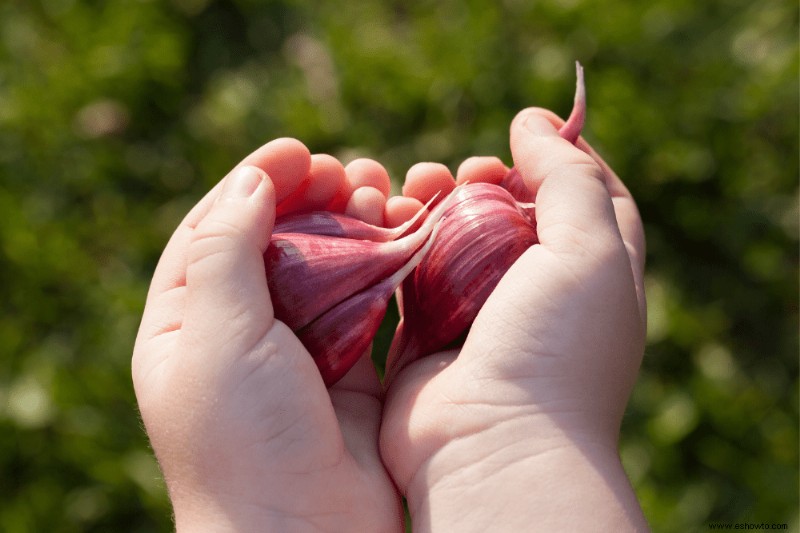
pixel 573 126
pixel 481 235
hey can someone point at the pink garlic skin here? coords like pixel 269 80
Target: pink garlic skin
pixel 572 128
pixel 337 344
pixel 481 236
pixel 332 225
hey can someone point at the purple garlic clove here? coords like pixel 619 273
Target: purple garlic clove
pixel 480 236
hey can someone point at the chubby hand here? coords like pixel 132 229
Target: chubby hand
pixel 518 430
pixel 247 435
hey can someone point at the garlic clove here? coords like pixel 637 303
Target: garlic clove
pixel 342 334
pixel 481 235
pixel 309 274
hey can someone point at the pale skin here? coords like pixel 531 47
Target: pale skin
pixel 517 431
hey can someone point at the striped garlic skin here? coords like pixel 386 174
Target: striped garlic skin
pixel 481 235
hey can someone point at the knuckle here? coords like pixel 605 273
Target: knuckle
pixel 211 240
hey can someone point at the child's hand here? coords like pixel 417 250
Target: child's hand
pixel 519 432
pixel 247 435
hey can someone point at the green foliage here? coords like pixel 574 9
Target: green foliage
pixel 115 117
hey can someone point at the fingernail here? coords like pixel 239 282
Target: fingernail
pixel 242 183
pixel 538 125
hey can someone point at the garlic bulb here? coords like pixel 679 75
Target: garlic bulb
pixel 331 283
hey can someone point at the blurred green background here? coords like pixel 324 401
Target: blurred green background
pixel 116 117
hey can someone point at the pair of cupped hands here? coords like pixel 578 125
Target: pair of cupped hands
pixel 516 431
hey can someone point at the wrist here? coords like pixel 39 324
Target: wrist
pixel 507 478
pixel 201 513
pixel 290 507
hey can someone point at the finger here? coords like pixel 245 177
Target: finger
pixel 170 271
pixel 227 300
pixel 425 180
pixel 627 213
pixel 327 181
pixel 356 399
pixel 481 170
pixel 632 231
pixel 561 176
pixel 325 187
pixel 329 188
pixel 286 161
pixel 367 204
pixel 399 209
pixel 362 378
pixel 614 184
pixel 365 172
pixel 539 152
pixel 628 218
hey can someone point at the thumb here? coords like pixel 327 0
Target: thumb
pixel 573 204
pixel 227 299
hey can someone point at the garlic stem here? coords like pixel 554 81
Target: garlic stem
pixel 571 129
